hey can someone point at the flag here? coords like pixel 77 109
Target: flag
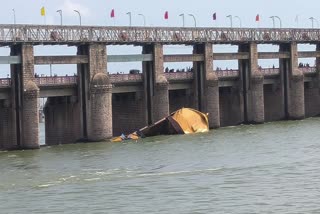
pixel 166 15
pixel 43 11
pixel 257 18
pixel 214 16
pixel 112 13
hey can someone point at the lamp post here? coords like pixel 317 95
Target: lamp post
pixel 279 20
pixel 14 16
pixel 230 16
pixel 194 19
pixel 60 12
pixel 314 19
pixel 79 15
pixel 239 20
pixel 297 20
pixel 144 19
pixel 129 14
pixel 272 17
pixel 182 15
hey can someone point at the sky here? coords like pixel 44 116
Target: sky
pixel 97 12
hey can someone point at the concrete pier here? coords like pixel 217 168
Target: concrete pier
pixel 206 82
pixel 293 83
pixel 252 85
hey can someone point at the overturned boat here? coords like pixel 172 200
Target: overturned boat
pixel 182 121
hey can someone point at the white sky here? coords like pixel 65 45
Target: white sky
pixel 97 12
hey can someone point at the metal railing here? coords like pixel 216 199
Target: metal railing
pixel 122 35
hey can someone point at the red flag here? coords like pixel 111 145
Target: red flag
pixel 166 15
pixel 112 13
pixel 214 16
pixel 257 18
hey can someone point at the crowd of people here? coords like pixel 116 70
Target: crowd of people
pixel 187 69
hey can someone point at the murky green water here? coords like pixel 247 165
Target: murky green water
pixel 270 168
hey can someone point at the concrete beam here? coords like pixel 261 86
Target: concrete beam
pixel 183 58
pixel 179 86
pixel 57 92
pixel 230 56
pixel 273 55
pixel 127 89
pixel 308 54
pixel 130 58
pixel 10 60
pixel 46 60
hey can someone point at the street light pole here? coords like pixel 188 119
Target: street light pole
pixel 182 15
pixel 279 21
pixel 229 16
pixel 60 12
pixel 272 17
pixel 194 19
pixel 311 18
pixel 144 19
pixel 239 20
pixel 297 20
pixel 129 14
pixel 14 16
pixel 79 15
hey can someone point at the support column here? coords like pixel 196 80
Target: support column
pixel 95 92
pixel 157 85
pixel 7 133
pixel 293 83
pixel 206 85
pixel 25 94
pixel 252 85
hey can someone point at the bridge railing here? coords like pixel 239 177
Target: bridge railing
pixel 121 78
pixel 125 78
pixel 227 73
pixel 75 34
pixel 58 80
pixel 179 75
pixel 5 83
pixel 270 71
pixel 307 70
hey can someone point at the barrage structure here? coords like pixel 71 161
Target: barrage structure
pixel 95 105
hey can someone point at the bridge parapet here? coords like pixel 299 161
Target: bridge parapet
pixel 270 71
pixel 308 70
pixel 124 78
pixel 227 73
pixel 58 80
pixel 179 76
pixel 5 83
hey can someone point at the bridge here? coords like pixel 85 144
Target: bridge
pixel 94 105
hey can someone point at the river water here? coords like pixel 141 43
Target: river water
pixel 269 168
